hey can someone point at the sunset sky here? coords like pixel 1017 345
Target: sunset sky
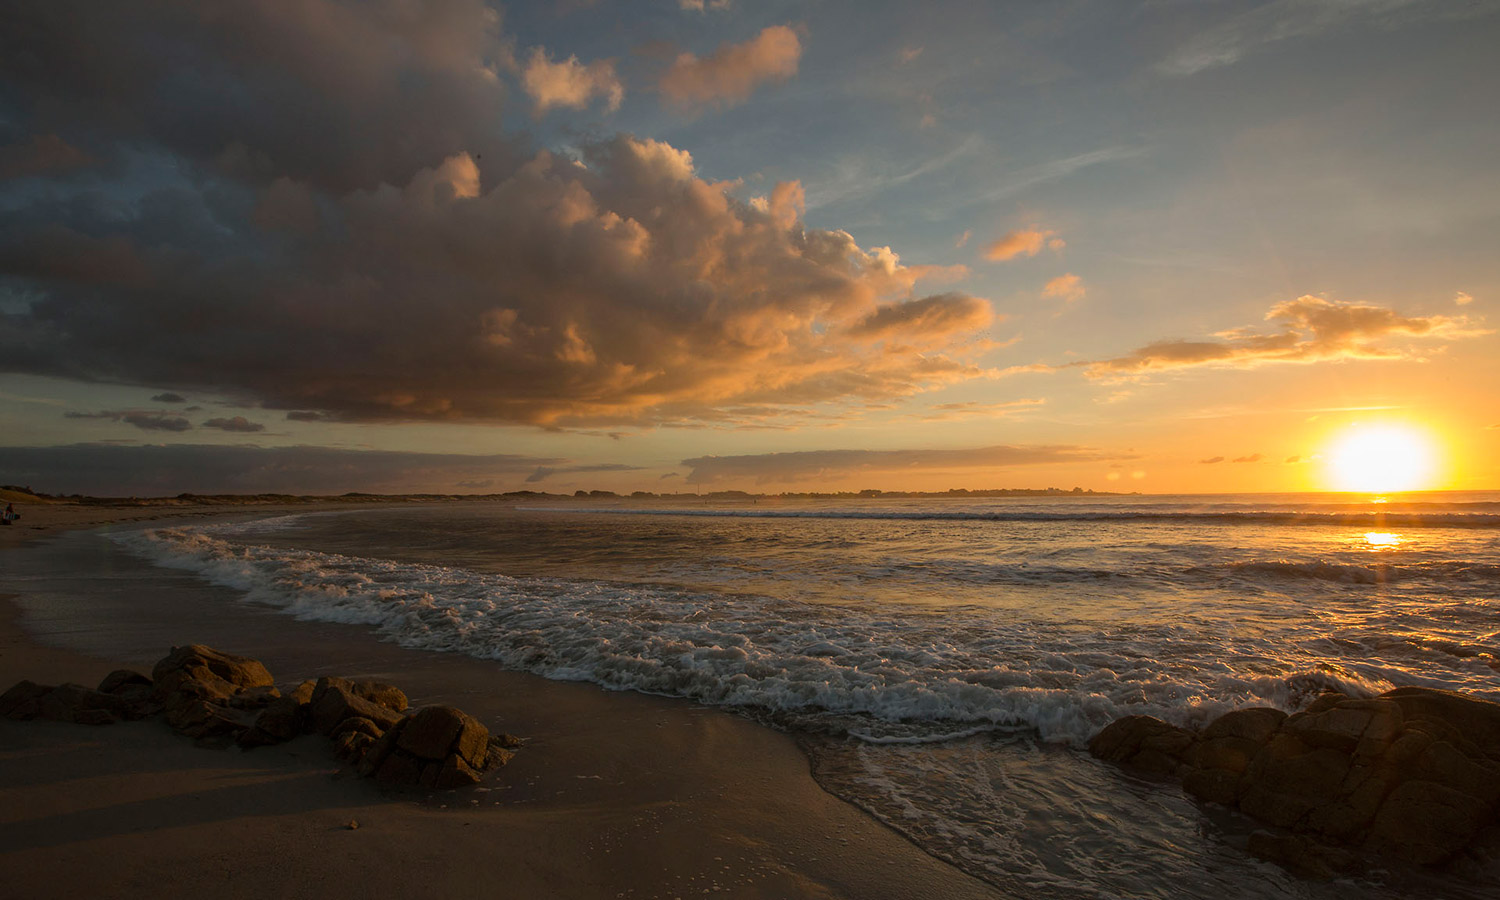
pixel 667 245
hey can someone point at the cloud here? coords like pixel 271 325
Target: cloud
pixel 700 5
pixel 945 412
pixel 1068 288
pixel 570 83
pixel 325 92
pixel 1293 460
pixel 238 423
pixel 731 73
pixel 1023 242
pixel 963 239
pixel 1240 35
pixel 1462 299
pixel 938 317
pixel 542 473
pixel 146 420
pixel 909 54
pixel 1252 458
pixel 830 465
pixel 167 470
pixel 308 415
pixel 168 397
pixel 1312 329
pixel 1211 460
pixel 38 154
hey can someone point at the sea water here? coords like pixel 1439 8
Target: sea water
pixel 943 660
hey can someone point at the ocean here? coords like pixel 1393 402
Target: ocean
pixel 943 661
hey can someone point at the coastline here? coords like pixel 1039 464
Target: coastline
pixel 615 794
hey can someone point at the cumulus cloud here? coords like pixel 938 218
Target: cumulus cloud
pixel 1023 242
pixel 828 465
pixel 1068 288
pixel 1311 329
pixel 570 83
pixel 237 423
pixel 328 92
pixel 167 470
pixel 146 420
pixel 1211 460
pixel 731 73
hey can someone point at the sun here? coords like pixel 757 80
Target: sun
pixel 1380 459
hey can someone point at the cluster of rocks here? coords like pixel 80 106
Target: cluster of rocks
pixel 217 697
pixel 1413 774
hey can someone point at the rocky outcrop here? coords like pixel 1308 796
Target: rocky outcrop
pixel 217 697
pixel 1413 774
pixel 438 746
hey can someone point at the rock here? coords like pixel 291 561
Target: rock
pixel 282 720
pixel 84 706
pixel 400 769
pixel 498 754
pixel 122 678
pixel 333 702
pixel 196 662
pixel 389 696
pixel 376 756
pixel 1363 726
pixel 1425 822
pixel 1256 724
pixel 255 698
pixel 352 745
pixel 453 772
pixel 434 732
pixel 1475 719
pixel 22 701
pixel 357 725
pixel 1142 742
pixel 508 741
pixel 1288 779
pixel 1302 856
pixel 203 720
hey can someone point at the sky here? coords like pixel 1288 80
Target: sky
pixel 685 245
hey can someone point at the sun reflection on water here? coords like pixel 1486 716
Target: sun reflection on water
pixel 1382 540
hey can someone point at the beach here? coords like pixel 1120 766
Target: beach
pixel 615 794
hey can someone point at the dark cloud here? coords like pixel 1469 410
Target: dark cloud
pixel 312 209
pixel 308 415
pixel 169 397
pixel 238 423
pixel 113 470
pixel 146 420
pixel 763 468
pixel 542 473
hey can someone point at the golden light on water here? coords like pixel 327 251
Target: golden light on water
pixel 1381 459
pixel 1378 540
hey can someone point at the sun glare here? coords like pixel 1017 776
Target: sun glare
pixel 1380 459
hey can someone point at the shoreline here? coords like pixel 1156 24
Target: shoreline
pixel 616 793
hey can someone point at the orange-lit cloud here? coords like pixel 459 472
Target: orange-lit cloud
pixel 1023 242
pixel 570 83
pixel 701 5
pixel 1462 299
pixel 1068 288
pixel 731 73
pixel 1313 329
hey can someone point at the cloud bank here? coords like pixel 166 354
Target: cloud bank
pixel 324 219
pixel 832 465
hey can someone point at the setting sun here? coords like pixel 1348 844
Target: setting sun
pixel 1381 458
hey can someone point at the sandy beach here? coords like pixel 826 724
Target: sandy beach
pixel 614 795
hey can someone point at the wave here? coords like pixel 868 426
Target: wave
pixel 874 673
pixel 1372 520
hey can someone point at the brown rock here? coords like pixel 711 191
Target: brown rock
pixel 22 701
pixel 508 741
pixel 498 754
pixel 357 725
pixel 282 720
pixel 1363 727
pixel 1425 822
pixel 1353 807
pixel 453 772
pixel 196 662
pixel 332 703
pixel 352 745
pixel 387 695
pixel 376 756
pixel 1142 742
pixel 1288 779
pixel 255 698
pixel 1442 763
pixel 1255 724
pixel 1302 856
pixel 432 732
pixel 1477 720
pixel 204 720
pixel 76 703
pixel 122 678
pixel 400 769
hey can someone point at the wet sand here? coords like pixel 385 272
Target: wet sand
pixel 615 794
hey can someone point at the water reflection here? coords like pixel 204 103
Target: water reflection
pixel 1382 540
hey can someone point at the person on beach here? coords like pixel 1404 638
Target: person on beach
pixel 10 514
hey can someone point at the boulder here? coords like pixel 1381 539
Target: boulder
pixel 435 732
pixel 23 700
pixel 254 698
pixel 205 721
pixel 357 725
pixel 1476 720
pixel 333 701
pixel 122 678
pixel 195 662
pixel 499 754
pixel 1302 856
pixel 1288 779
pixel 1426 822
pixel 282 720
pixel 1144 743
pixel 352 745
pixel 84 706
